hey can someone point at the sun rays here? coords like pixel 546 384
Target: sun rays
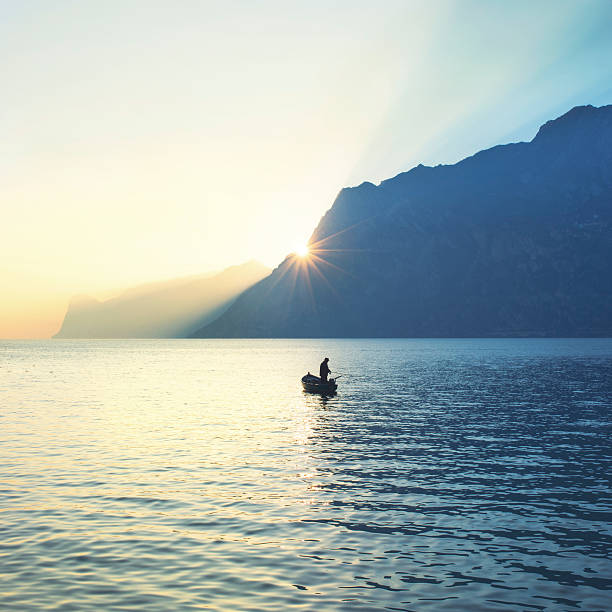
pixel 311 264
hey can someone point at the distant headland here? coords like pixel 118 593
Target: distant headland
pixel 167 309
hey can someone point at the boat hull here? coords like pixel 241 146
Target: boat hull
pixel 313 384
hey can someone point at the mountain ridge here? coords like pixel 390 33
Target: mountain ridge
pixel 161 309
pixel 515 240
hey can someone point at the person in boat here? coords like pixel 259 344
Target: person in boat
pixel 324 370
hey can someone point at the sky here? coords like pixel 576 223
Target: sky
pixel 148 140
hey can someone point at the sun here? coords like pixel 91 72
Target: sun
pixel 302 250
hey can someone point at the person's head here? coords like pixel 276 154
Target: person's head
pixel 326 359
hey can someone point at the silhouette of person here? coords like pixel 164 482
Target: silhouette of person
pixel 324 369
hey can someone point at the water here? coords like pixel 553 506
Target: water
pixel 183 475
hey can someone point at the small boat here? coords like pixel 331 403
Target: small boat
pixel 313 384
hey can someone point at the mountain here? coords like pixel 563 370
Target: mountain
pixel 166 309
pixel 513 241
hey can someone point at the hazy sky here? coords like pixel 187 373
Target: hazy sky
pixel 144 140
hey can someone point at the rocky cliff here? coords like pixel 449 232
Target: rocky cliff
pixel 513 241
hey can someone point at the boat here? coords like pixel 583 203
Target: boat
pixel 313 384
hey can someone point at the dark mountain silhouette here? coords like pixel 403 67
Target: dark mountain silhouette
pixel 513 241
pixel 166 309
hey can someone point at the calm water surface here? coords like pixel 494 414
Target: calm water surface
pixel 183 475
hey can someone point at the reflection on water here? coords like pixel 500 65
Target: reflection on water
pixel 445 475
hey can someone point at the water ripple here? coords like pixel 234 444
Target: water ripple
pixel 445 475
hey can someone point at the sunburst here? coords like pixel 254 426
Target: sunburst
pixel 311 262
